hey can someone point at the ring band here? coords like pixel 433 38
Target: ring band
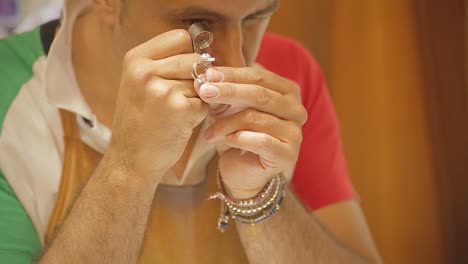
pixel 203 63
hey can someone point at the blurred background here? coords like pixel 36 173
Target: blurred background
pixel 397 73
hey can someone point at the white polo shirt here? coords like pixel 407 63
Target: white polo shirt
pixel 31 139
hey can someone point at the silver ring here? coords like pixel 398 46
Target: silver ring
pixel 203 63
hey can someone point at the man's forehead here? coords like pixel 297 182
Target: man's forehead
pixel 229 8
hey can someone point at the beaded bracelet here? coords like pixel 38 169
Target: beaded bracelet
pixel 267 202
pixel 243 203
pixel 263 216
pixel 251 211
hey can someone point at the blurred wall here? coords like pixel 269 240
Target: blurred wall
pixel 309 22
pixel 396 71
pixel 466 46
pixel 442 29
pixel 380 95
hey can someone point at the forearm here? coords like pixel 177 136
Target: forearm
pixel 107 222
pixel 292 235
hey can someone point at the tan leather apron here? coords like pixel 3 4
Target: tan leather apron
pixel 182 224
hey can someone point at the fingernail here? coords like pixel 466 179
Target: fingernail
pixel 214 75
pixel 209 91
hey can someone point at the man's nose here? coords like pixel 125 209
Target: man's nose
pixel 228 49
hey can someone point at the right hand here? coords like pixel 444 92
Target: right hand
pixel 157 106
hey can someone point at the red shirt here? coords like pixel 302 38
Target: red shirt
pixel 320 177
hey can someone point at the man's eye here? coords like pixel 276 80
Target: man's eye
pixel 256 19
pixel 191 21
pixel 260 17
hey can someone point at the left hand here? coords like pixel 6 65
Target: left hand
pixel 264 134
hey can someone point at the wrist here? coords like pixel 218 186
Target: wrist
pixel 117 164
pixel 239 194
pixel 249 210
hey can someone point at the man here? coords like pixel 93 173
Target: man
pixel 127 65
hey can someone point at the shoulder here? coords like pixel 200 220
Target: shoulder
pixel 320 177
pixel 18 54
pixel 19 242
pixel 31 141
pixel 288 58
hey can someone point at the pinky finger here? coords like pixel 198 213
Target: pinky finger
pixel 270 149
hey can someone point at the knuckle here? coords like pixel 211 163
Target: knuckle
pixel 137 71
pixel 257 75
pixel 264 96
pixel 295 87
pixel 304 116
pixel 296 134
pixel 265 142
pixel 182 36
pixel 130 56
pixel 292 154
pixel 254 118
pixel 183 63
pixel 175 64
pixel 300 113
pixel 181 106
pixel 159 89
pixel 231 91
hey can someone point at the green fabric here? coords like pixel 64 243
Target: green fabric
pixel 19 242
pixel 17 56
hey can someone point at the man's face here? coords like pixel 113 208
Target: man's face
pixel 237 25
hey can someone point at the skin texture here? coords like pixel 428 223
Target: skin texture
pixel 143 43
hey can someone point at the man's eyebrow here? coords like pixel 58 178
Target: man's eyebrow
pixel 194 11
pixel 267 10
pixel 200 11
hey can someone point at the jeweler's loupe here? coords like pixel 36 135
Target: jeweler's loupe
pixel 201 38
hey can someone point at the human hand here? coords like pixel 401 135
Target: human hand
pixel 264 137
pixel 157 106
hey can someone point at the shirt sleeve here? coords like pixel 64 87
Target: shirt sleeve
pixel 19 243
pixel 320 177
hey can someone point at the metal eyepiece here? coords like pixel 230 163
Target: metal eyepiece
pixel 201 38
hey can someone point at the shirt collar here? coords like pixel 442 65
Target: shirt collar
pixel 61 86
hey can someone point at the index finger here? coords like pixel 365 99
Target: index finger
pixel 253 75
pixel 165 45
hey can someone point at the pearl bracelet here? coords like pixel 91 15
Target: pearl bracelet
pixel 244 203
pixel 250 211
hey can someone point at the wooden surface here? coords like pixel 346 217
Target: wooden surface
pixel 466 49
pixel 395 70
pixel 307 21
pixel 441 28
pixel 377 79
